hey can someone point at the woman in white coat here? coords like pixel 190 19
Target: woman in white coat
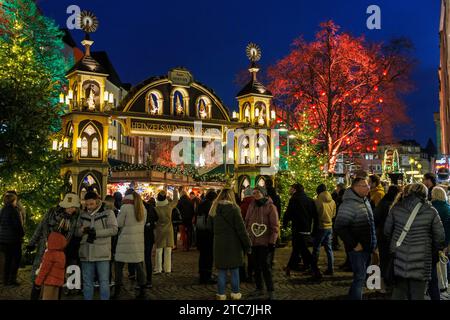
pixel 130 243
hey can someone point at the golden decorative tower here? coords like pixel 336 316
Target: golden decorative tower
pixel 85 124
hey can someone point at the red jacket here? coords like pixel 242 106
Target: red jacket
pixel 53 266
pixel 244 206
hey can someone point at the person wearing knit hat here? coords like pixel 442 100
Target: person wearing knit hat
pixel 262 190
pixel 71 200
pixel 63 219
pixel 263 227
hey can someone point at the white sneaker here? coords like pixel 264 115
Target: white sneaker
pixel 236 296
pixel 221 297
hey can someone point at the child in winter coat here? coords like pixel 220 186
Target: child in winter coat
pixel 52 271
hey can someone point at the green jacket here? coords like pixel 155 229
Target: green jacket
pixel 230 237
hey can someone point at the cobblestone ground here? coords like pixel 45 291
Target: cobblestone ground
pixel 182 283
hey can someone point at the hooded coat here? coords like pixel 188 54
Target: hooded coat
pixel 326 210
pixel 230 237
pixel 413 259
pixel 163 227
pixel 53 267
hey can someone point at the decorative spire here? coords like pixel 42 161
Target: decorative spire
pixel 89 23
pixel 253 54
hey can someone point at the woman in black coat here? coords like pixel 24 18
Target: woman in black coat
pixel 380 214
pixel 11 237
pixel 205 239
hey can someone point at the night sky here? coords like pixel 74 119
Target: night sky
pixel 147 38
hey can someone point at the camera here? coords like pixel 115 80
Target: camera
pixel 91 235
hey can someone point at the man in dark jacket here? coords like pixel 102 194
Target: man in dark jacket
pixel 337 195
pixel 187 211
pixel 149 238
pixel 302 212
pixel 205 239
pixel 356 227
pixel 272 193
pixel 429 179
pixel 11 237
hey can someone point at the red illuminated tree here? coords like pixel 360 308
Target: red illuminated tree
pixel 349 89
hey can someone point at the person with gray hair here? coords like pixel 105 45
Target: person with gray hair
pixel 414 231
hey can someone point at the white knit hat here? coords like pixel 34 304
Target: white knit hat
pixel 71 200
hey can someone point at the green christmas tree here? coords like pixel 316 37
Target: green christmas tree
pixel 306 163
pixel 32 74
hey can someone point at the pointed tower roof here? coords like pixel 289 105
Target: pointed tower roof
pixel 87 63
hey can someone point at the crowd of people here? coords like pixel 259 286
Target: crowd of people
pixel 405 230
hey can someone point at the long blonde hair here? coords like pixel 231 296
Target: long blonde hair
pixel 138 206
pixel 224 195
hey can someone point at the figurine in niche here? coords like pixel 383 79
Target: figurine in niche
pixel 153 106
pixel 202 110
pixel 179 107
pixel 261 118
pixel 90 99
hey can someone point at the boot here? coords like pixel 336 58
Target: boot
pixel 35 292
pixel 117 290
pixel 236 296
pixel 221 297
pixel 141 295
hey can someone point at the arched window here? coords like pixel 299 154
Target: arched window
pixel 90 142
pixel 261 182
pixel 154 103
pixel 179 104
pixel 95 152
pixel 203 107
pixel 244 185
pixel 246 112
pixel 260 113
pixel 91 95
pixel 84 147
pixel 261 150
pixel 244 150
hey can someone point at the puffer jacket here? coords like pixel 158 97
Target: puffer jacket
pixel 259 216
pixel 326 210
pixel 105 224
pixel 53 268
pixel 355 222
pixel 413 259
pixel 130 244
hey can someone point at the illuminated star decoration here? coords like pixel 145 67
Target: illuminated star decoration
pixel 253 52
pixel 88 21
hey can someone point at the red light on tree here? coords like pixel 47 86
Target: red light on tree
pixel 294 153
pixel 375 141
pixel 374 148
pixel 323 93
pixel 359 85
pixel 377 120
pixel 380 100
pixel 377 130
